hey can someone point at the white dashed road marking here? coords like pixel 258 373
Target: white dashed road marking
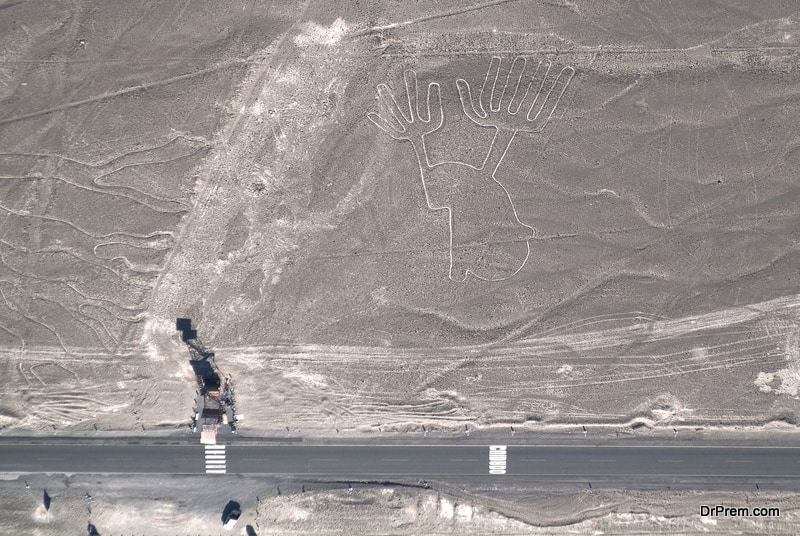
pixel 497 460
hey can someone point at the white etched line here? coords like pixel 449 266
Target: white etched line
pixel 412 126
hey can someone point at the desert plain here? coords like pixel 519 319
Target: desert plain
pixel 627 260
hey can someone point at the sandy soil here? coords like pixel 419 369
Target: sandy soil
pixel 191 505
pixel 218 163
pixel 659 286
pixel 661 282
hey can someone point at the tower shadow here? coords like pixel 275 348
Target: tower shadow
pixel 207 376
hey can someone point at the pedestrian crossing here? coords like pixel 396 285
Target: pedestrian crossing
pixel 215 459
pixel 497 460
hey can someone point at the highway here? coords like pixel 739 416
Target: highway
pixel 656 463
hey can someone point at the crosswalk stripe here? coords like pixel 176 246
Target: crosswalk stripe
pixel 215 459
pixel 497 459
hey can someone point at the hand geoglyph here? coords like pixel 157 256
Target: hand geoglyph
pixel 487 238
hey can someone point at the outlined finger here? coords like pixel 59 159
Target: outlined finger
pixel 379 122
pixel 525 86
pixel 510 85
pixel 492 72
pixel 391 111
pixel 435 113
pixel 550 100
pixel 537 93
pixel 467 104
pixel 410 78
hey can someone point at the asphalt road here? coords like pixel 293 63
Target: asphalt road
pixel 655 463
